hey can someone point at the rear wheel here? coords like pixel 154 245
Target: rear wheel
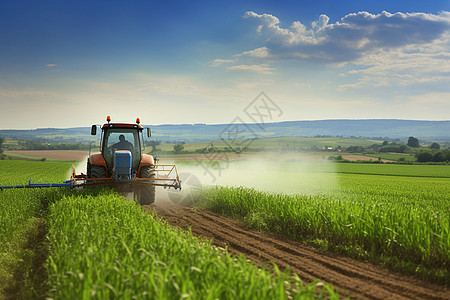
pixel 147 192
pixel 94 171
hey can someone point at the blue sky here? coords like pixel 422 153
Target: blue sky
pixel 71 63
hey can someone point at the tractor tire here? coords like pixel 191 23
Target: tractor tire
pixel 147 192
pixel 96 171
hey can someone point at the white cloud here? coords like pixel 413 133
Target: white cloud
pixel 378 50
pixel 407 66
pixel 297 34
pixel 51 65
pixel 246 61
pixel 262 52
pixel 355 35
pixel 219 62
pixel 263 68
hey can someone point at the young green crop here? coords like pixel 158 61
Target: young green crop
pixel 403 221
pixel 21 212
pixel 107 247
pixel 17 206
pixel 438 171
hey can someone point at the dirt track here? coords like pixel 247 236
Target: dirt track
pixel 350 277
pixel 71 155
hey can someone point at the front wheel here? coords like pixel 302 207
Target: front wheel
pixel 146 194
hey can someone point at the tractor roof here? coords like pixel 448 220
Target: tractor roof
pixel 122 125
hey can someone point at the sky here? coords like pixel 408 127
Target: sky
pixel 72 63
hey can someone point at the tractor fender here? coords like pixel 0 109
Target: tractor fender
pixel 97 159
pixel 146 160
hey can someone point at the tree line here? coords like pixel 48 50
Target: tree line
pixel 433 155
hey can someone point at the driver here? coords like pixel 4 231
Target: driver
pixel 123 144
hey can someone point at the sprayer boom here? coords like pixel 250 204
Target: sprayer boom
pixel 167 177
pixel 67 183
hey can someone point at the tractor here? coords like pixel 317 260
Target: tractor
pixel 121 157
pixel 121 164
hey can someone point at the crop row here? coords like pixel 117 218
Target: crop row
pixel 21 221
pixel 106 247
pixel 80 245
pixel 401 221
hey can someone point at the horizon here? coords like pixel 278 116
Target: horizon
pixel 186 63
pixel 224 124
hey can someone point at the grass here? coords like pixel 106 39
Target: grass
pixel 441 171
pixel 61 244
pixel 106 247
pixel 395 220
pixel 22 222
pixel 392 156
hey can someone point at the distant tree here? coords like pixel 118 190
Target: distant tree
pixel 438 157
pixel 413 142
pixel 355 149
pixel 154 144
pixel 447 154
pixel 385 143
pixel 424 156
pixel 178 148
pixel 1 142
pixel 435 146
pixel 402 148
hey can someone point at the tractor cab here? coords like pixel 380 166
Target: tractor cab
pixel 121 146
pixel 125 140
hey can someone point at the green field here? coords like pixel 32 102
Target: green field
pixel 22 221
pixel 93 243
pixel 276 144
pixel 393 157
pixel 106 247
pixel 394 215
pixel 395 170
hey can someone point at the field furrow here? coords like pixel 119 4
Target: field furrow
pixel 350 277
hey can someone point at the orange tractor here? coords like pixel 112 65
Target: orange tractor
pixel 121 164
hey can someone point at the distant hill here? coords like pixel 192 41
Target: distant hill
pixel 373 128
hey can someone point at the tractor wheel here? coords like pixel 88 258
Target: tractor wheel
pixel 147 192
pixel 96 171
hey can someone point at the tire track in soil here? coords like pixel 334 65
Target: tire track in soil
pixel 350 277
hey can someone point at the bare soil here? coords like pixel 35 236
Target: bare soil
pixel 70 155
pixel 351 278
